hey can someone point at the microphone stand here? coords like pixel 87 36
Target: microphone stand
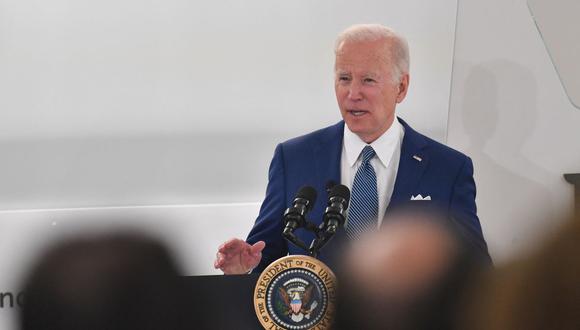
pixel 334 217
pixel 322 237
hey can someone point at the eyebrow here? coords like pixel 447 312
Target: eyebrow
pixel 371 75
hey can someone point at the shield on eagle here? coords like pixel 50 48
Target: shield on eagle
pixel 296 303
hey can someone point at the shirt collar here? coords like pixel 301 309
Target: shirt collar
pixel 384 146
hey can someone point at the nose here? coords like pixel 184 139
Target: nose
pixel 354 91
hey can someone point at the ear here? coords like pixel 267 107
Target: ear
pixel 403 88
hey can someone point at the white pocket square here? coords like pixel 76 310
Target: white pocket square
pixel 420 198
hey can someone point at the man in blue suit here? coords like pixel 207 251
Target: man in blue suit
pixel 377 155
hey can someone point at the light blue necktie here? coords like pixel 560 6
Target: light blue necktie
pixel 364 201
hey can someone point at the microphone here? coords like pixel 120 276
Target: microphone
pixel 335 213
pixel 294 217
pixel 329 185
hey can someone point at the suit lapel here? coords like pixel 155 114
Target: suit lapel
pixel 327 155
pixel 412 164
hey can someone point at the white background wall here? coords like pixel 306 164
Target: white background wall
pixel 175 107
pixel 510 113
pixel 163 102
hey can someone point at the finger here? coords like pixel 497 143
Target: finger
pixel 226 244
pixel 231 244
pixel 220 259
pixel 257 247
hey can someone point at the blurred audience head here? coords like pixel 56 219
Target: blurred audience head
pixel 409 275
pixel 120 281
pixel 539 291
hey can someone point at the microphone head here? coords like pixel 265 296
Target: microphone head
pixel 340 190
pixel 308 193
pixel 329 185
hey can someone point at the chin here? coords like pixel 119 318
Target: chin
pixel 356 126
pixel 358 130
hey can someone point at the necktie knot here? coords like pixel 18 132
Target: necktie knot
pixel 367 154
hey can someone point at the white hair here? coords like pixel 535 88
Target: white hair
pixel 398 50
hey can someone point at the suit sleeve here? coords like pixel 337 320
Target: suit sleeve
pixel 269 226
pixel 464 210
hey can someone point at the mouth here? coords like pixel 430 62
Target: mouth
pixel 357 113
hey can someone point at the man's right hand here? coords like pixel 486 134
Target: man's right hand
pixel 238 257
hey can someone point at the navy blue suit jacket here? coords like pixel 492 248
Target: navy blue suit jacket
pixel 314 159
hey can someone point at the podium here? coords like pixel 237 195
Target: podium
pixel 293 292
pixel 227 300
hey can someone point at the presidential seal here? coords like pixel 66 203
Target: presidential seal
pixel 295 292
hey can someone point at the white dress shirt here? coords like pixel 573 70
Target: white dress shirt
pixel 386 161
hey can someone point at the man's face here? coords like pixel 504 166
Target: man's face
pixel 364 87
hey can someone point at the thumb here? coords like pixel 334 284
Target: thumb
pixel 257 247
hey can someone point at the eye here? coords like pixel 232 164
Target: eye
pixel 343 78
pixel 369 80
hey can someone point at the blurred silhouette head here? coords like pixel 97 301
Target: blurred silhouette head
pixel 409 275
pixel 123 281
pixel 540 291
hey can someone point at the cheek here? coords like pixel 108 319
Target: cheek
pixel 341 94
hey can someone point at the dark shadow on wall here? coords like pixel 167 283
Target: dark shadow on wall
pixel 499 104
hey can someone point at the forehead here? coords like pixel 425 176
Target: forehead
pixel 363 56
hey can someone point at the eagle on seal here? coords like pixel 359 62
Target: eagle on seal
pixel 296 301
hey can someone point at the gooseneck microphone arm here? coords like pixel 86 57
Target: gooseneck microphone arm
pixel 333 218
